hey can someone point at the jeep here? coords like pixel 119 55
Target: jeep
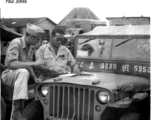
pixel 114 79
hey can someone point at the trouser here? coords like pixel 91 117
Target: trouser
pixel 19 80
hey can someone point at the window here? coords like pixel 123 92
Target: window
pixel 134 49
pixel 96 48
pixel 92 26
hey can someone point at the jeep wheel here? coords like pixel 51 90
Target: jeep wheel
pixel 33 111
pixel 132 116
pixel 3 109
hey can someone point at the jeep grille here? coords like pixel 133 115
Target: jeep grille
pixel 72 102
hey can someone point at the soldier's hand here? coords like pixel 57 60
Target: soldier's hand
pixel 39 62
pixel 37 80
pixel 57 70
pixel 76 69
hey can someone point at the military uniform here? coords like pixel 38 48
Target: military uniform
pixel 17 51
pixel 18 78
pixel 63 59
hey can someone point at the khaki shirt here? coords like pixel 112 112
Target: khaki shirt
pixel 17 51
pixel 62 59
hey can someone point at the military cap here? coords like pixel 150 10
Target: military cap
pixel 33 29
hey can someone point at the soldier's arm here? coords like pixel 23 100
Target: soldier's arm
pixel 71 60
pixel 18 64
pixel 12 58
pixel 31 71
pixel 43 69
pixel 40 56
pixel 73 64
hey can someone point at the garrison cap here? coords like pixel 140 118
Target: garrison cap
pixel 33 29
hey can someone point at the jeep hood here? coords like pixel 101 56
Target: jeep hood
pixel 108 81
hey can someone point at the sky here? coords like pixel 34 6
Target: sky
pixel 56 10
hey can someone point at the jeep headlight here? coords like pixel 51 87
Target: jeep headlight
pixel 44 90
pixel 103 97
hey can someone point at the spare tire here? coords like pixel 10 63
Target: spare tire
pixel 33 111
pixel 3 109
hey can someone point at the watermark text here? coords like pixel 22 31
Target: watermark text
pixel 16 1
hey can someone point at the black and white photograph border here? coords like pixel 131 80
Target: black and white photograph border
pixel 75 59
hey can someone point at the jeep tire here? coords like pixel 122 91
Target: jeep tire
pixel 33 111
pixel 3 109
pixel 132 116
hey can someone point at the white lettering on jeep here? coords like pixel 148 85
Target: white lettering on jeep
pixel 91 65
pixel 110 66
pixel 125 68
pixel 141 69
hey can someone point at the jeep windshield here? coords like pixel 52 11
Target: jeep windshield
pixel 127 48
pixel 124 55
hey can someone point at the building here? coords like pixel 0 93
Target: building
pixel 120 21
pixel 19 24
pixel 81 18
pixel 85 24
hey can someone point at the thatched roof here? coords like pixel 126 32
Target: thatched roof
pixel 78 13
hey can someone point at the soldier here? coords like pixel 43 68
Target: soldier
pixel 56 56
pixel 19 67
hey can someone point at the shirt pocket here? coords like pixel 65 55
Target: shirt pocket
pixel 48 56
pixel 49 60
pixel 62 60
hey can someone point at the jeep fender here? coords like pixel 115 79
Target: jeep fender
pixel 140 96
pixel 126 102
